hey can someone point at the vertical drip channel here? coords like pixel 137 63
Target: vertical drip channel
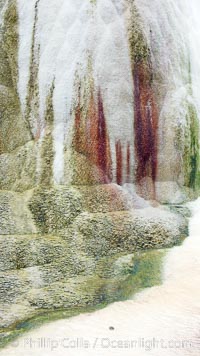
pixel 145 122
pixel 91 137
pixel 145 106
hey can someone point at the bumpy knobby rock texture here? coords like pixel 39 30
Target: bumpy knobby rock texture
pixel 15 217
pixel 106 234
pixel 58 251
pixel 89 129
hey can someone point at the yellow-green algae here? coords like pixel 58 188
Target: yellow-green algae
pixel 144 270
pixel 13 131
pixel 47 150
pixel 32 100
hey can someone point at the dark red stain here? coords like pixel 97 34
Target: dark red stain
pixel 128 163
pixel 103 148
pixel 145 123
pixel 118 148
pixel 91 136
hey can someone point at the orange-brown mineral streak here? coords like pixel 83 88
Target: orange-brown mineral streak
pixel 128 163
pixel 38 132
pixel 91 137
pixel 91 132
pixel 118 148
pixel 104 153
pixel 145 123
